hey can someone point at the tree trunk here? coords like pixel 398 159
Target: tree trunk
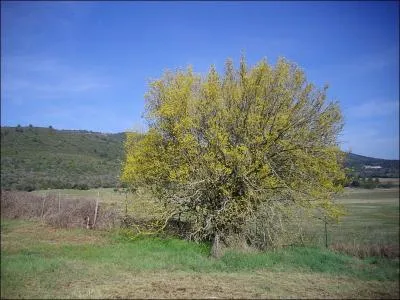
pixel 216 250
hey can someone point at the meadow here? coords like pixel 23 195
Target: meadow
pixel 371 215
pixel 372 218
pixel 40 261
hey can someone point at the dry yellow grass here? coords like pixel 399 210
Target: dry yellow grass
pixel 259 285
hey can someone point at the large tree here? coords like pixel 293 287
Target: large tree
pixel 221 146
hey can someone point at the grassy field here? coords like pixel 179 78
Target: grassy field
pixel 372 215
pixel 372 218
pixel 390 180
pixel 39 261
pixel 105 194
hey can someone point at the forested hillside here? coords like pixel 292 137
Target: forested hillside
pixel 41 158
pixel 388 168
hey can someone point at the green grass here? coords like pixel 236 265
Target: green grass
pixel 365 194
pixel 39 262
pixel 42 262
pixel 173 254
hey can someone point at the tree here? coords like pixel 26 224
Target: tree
pixel 218 148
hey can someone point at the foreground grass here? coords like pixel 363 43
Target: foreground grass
pixel 41 262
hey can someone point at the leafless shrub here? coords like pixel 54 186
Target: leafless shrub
pixel 363 251
pixel 20 205
pixel 108 217
pixel 276 225
pixel 66 212
pixel 74 213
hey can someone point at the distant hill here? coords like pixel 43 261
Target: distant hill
pixel 41 158
pixel 372 167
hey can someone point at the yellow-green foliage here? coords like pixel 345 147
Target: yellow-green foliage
pixel 218 147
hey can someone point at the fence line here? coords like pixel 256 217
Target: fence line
pixel 74 211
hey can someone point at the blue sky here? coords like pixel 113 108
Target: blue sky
pixel 86 65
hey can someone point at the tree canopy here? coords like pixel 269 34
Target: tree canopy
pixel 220 146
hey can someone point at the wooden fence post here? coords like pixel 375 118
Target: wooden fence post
pixel 87 222
pixel 59 203
pixel 44 200
pixel 126 203
pixel 326 232
pixel 95 210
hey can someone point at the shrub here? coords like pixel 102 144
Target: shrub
pixel 80 186
pixel 72 212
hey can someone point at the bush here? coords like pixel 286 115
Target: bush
pixel 74 212
pixel 276 225
pixel 25 187
pixel 20 205
pixel 80 186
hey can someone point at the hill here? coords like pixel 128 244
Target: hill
pixel 42 158
pixel 372 167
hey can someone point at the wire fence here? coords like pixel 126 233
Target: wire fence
pixel 61 210
pixel 106 211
